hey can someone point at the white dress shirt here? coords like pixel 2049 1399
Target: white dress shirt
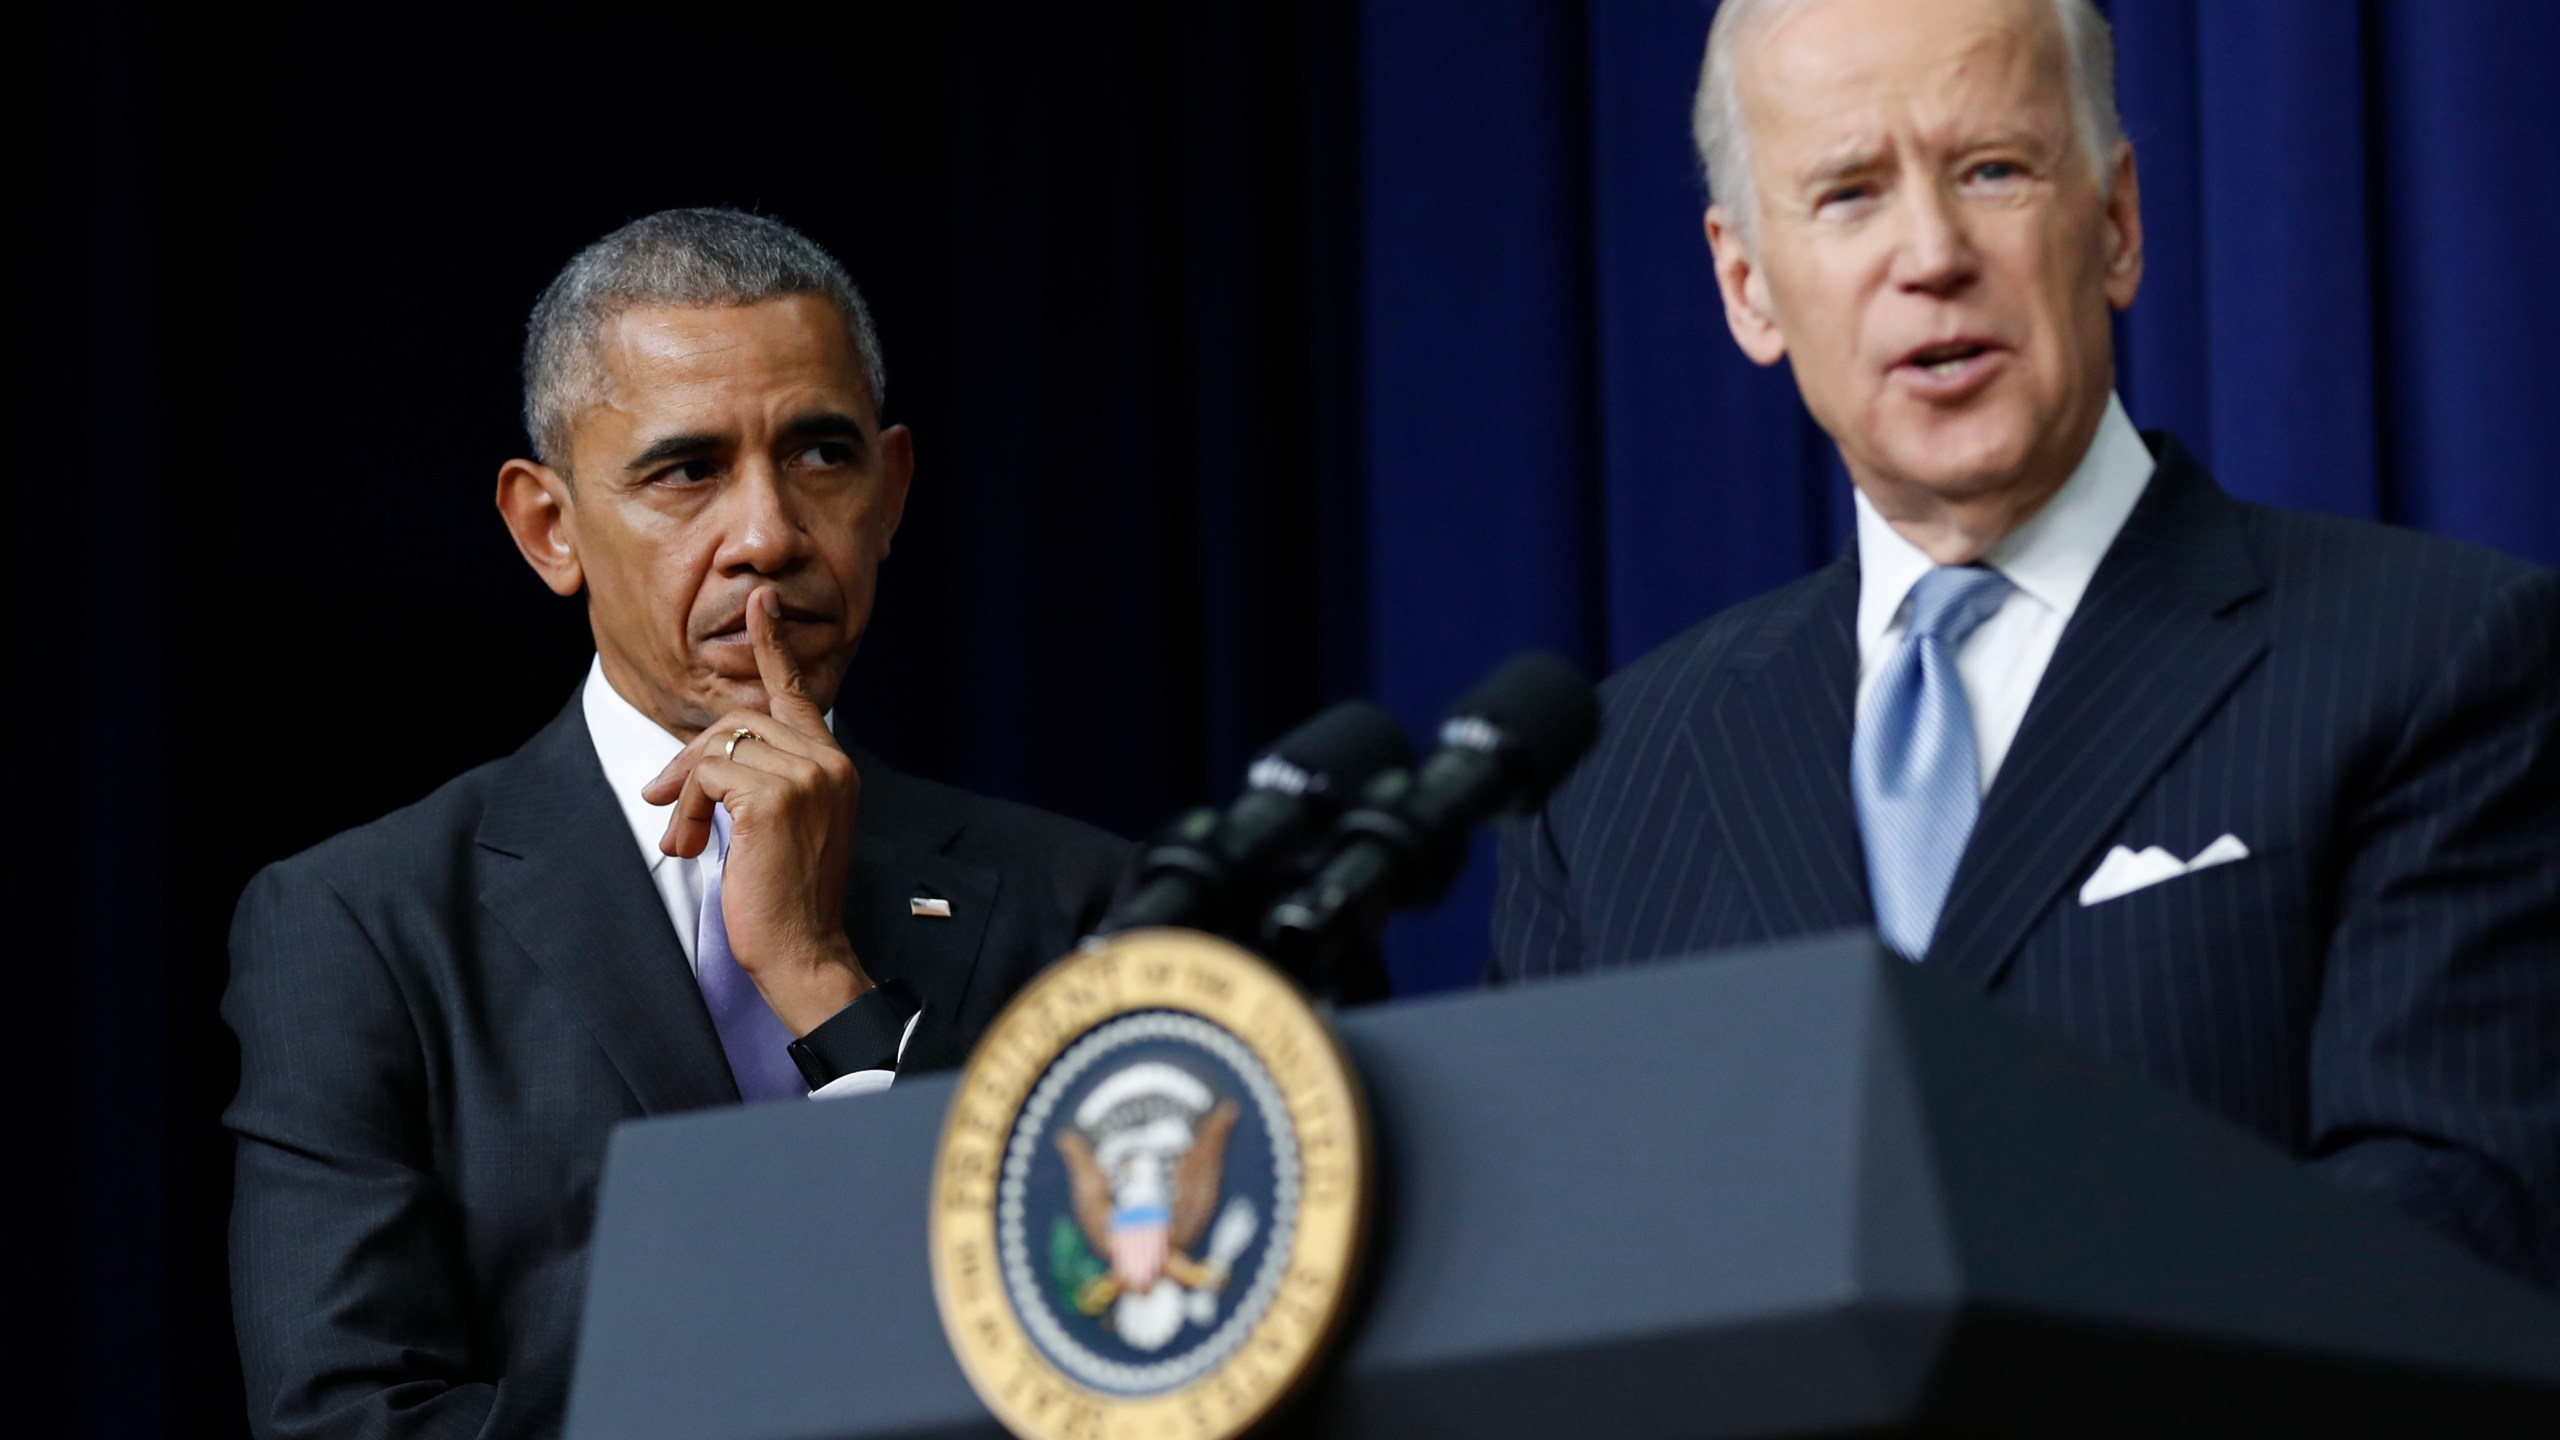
pixel 2049 561
pixel 633 750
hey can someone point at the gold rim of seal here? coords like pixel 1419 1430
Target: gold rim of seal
pixel 1190 973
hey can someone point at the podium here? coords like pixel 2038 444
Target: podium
pixel 1805 1190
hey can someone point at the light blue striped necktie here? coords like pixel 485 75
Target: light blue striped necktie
pixel 1913 764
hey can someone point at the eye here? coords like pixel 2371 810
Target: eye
pixel 683 472
pixel 1996 172
pixel 825 455
pixel 1847 202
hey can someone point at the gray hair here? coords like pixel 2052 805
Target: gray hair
pixel 704 257
pixel 1724 144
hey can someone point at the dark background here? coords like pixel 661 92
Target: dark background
pixel 286 264
pixel 1257 354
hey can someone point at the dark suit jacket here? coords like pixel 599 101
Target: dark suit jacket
pixel 2375 713
pixel 441 1014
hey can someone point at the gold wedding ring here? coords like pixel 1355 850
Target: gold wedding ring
pixel 730 750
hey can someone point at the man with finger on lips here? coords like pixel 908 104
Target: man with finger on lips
pixel 685 891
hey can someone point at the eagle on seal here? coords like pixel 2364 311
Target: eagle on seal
pixel 1145 1161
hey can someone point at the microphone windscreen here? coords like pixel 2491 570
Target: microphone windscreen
pixel 1335 753
pixel 1541 708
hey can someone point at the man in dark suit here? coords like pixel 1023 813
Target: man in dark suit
pixel 684 891
pixel 2265 805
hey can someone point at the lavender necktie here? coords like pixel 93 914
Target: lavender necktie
pixel 759 1049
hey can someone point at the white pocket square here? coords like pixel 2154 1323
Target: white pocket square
pixel 2125 871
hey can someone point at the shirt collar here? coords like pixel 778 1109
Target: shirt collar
pixel 633 749
pixel 2051 559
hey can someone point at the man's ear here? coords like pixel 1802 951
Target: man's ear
pixel 534 500
pixel 2124 231
pixel 897 471
pixel 1747 312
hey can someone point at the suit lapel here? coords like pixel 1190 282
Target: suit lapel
pixel 902 854
pixel 578 899
pixel 2162 635
pixel 1775 747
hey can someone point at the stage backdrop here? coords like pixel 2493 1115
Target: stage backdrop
pixel 2353 224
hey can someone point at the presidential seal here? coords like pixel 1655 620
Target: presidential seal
pixel 1150 1198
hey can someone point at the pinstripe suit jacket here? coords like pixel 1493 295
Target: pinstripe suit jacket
pixel 2374 712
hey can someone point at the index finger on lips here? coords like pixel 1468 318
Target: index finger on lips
pixel 784 686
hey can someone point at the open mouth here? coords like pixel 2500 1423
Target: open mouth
pixel 1951 372
pixel 1948 358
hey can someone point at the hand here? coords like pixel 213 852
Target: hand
pixel 790 793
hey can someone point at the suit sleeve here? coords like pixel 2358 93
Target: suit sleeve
pixel 1089 890
pixel 2435 1078
pixel 349 1280
pixel 1536 931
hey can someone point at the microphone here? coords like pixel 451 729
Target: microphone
pixel 1208 871
pixel 1503 747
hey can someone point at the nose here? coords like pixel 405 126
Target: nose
pixel 763 532
pixel 1935 255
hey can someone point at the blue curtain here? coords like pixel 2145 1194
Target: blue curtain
pixel 2352 227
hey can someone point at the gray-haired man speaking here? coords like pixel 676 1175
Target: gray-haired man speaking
pixel 685 891
pixel 2265 806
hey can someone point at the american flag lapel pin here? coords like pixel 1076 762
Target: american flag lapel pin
pixel 929 907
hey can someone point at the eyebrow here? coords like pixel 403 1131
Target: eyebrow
pixel 798 430
pixel 1842 168
pixel 825 425
pixel 675 447
pixel 1850 164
